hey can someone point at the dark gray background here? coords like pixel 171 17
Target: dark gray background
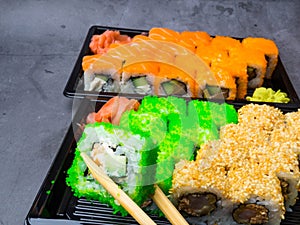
pixel 40 41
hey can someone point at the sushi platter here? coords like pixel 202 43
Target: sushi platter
pixel 147 124
pixel 76 86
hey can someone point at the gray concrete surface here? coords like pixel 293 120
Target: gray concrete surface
pixel 40 41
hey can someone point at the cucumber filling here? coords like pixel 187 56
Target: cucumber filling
pixel 141 85
pixel 214 92
pixel 174 87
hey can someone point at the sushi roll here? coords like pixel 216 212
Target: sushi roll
pixel 238 70
pixel 199 131
pixel 127 158
pixel 268 47
pixel 101 73
pixel 154 126
pixel 161 120
pixel 285 166
pixel 200 192
pixel 256 195
pixel 201 120
pixel 216 86
pixel 139 78
pixel 173 146
pixel 253 190
pixel 226 85
pixel 256 64
pixel 173 81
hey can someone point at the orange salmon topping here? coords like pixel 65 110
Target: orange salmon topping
pixel 267 46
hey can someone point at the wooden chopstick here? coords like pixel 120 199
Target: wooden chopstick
pixel 132 208
pixel 166 206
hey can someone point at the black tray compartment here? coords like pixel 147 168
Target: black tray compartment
pixel 56 205
pixel 74 87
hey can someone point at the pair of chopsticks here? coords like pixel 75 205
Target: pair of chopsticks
pixel 132 208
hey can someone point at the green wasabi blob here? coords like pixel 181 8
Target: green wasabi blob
pixel 263 94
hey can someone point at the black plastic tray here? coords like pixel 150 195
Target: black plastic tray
pixel 75 88
pixel 55 203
